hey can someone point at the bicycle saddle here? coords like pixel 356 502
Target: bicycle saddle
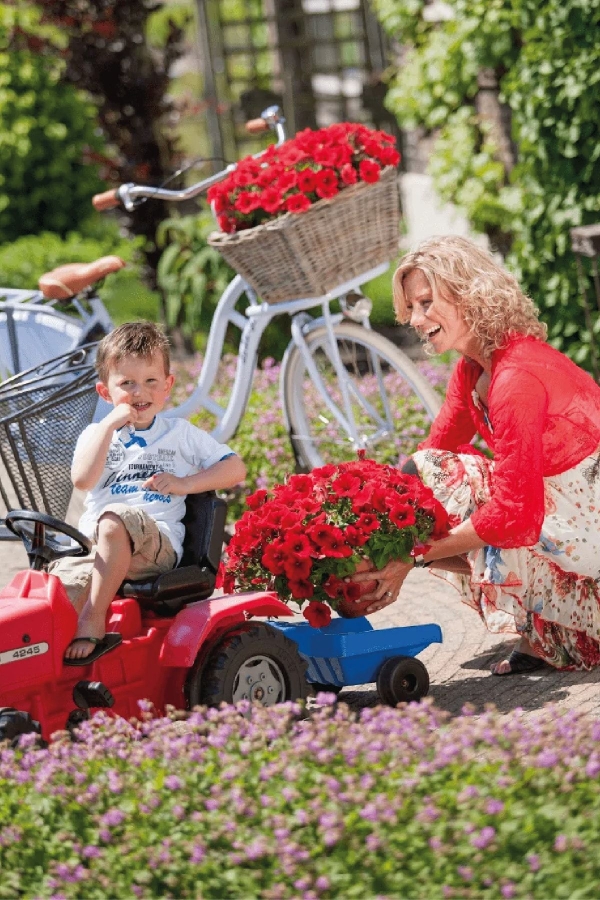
pixel 64 282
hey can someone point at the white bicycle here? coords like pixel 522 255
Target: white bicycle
pixel 35 327
pixel 343 386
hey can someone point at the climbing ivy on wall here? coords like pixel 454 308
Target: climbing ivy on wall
pixel 529 175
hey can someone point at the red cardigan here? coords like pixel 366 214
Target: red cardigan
pixel 544 418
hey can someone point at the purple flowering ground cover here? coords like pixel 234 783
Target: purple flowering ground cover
pixel 275 803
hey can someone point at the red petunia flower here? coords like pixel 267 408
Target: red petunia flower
pixel 301 590
pixel 270 200
pixel 307 180
pixel 327 184
pixel 334 587
pixel 247 202
pixel 297 544
pixel 349 174
pixel 330 541
pixel 356 537
pixel 257 499
pixel 226 224
pixel 286 181
pixel 297 203
pixel 402 515
pixel 274 558
pixel 317 614
pixel 367 522
pixel 346 485
pixel 297 568
pixel 369 171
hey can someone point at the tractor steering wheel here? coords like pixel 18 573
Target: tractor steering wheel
pixel 33 528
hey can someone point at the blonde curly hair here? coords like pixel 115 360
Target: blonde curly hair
pixel 490 299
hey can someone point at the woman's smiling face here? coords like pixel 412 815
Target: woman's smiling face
pixel 436 319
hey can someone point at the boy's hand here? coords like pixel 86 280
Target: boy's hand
pixel 165 483
pixel 123 414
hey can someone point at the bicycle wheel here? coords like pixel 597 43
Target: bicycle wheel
pixel 387 408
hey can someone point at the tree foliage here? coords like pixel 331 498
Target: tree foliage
pixel 544 57
pixel 46 127
pixel 108 55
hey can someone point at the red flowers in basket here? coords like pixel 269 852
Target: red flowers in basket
pixel 306 538
pixel 312 166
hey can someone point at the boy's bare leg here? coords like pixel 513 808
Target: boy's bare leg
pixel 112 562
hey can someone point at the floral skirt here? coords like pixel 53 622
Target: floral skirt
pixel 548 593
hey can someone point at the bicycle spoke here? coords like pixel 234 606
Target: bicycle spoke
pixel 388 416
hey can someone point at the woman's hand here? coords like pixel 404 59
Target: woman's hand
pixel 389 581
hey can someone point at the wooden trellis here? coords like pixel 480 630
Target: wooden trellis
pixel 321 60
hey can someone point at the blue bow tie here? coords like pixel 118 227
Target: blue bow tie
pixel 133 438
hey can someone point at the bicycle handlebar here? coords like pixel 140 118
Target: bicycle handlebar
pixel 127 194
pixel 257 126
pixel 106 200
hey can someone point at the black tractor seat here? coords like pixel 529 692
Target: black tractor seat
pixel 194 577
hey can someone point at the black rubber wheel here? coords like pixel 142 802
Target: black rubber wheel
pixel 402 679
pixel 14 723
pixel 257 663
pixel 323 688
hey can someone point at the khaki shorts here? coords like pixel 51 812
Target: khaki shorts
pixel 152 554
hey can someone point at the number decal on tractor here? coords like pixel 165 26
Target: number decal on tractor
pixel 23 653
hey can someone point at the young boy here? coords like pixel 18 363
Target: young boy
pixel 137 468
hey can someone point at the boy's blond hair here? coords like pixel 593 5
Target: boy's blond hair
pixel 142 339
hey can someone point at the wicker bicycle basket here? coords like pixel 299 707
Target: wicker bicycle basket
pixel 309 254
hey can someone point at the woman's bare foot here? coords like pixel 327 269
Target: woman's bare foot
pixel 522 659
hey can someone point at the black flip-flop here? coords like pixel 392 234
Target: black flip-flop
pixel 110 640
pixel 521 663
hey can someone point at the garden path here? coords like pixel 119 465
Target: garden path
pixel 458 668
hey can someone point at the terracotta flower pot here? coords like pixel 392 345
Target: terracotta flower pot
pixel 351 609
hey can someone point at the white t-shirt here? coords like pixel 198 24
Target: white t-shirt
pixel 169 445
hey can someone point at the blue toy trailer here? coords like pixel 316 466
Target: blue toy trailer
pixel 351 651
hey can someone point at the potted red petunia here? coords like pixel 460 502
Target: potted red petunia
pixel 306 537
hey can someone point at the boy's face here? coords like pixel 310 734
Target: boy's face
pixel 140 382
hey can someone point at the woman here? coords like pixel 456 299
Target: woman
pixel 526 551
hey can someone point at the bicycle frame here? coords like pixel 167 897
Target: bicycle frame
pixel 252 324
pixel 347 406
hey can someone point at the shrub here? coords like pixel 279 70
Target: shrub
pixel 191 274
pixel 45 127
pixel 253 802
pixel 124 294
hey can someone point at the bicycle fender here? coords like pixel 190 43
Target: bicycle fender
pixel 198 622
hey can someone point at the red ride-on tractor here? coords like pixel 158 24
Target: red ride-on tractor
pixel 175 650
